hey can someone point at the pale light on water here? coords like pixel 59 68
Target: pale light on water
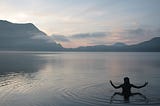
pixel 76 79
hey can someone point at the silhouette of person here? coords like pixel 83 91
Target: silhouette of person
pixel 126 89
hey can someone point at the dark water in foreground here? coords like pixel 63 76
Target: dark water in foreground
pixel 76 79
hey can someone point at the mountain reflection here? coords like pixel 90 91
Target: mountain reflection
pixel 20 63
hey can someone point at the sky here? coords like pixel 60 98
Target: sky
pixel 75 23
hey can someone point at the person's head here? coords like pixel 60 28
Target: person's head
pixel 126 80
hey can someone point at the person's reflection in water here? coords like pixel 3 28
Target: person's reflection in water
pixel 127 97
pixel 126 89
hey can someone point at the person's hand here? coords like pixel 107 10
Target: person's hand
pixel 146 83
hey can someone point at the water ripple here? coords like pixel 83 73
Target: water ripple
pixel 94 95
pixel 91 94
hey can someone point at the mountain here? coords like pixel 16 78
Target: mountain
pixel 25 37
pixel 152 45
pixel 119 44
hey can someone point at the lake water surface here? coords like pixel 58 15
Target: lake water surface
pixel 77 79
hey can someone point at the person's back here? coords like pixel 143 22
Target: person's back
pixel 126 86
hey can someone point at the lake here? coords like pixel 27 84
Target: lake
pixel 77 78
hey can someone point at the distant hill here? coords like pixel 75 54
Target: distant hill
pixel 152 45
pixel 24 37
pixel 119 44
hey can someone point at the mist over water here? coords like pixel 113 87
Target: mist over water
pixel 76 79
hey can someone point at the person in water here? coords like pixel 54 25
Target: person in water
pixel 126 89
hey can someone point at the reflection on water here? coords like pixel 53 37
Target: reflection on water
pixel 16 63
pixel 75 79
pixel 126 99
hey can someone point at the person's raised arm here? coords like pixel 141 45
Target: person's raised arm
pixel 134 86
pixel 116 87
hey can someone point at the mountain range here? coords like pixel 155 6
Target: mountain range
pixel 152 45
pixel 27 37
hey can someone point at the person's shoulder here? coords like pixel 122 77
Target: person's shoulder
pixel 132 85
pixel 122 85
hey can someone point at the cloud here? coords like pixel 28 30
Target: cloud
pixel 128 36
pixel 89 35
pixel 60 38
pixel 39 35
pixel 81 39
pixel 136 35
pixel 98 42
pixel 138 31
pixel 157 32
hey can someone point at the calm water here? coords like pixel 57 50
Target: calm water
pixel 76 79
